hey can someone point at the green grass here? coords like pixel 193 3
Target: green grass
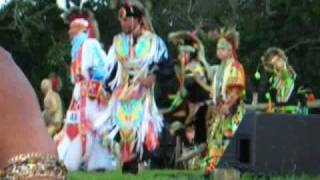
pixel 146 175
pixel 168 175
pixel 303 177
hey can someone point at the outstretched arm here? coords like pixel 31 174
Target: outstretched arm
pixel 21 131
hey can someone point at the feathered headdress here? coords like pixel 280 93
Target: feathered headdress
pixel 189 41
pixel 75 13
pixel 227 38
pixel 226 35
pixel 186 41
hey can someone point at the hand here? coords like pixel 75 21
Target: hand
pixel 183 92
pixel 270 108
pixel 225 109
pixel 148 81
pixel 184 58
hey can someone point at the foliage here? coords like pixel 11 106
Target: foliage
pixel 29 30
pixel 37 37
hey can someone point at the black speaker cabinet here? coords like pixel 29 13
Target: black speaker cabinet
pixel 276 144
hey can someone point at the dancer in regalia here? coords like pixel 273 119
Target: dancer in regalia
pixel 79 146
pixel 228 88
pixel 193 72
pixel 132 117
pixel 284 95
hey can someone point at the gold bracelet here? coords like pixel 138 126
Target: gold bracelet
pixel 32 165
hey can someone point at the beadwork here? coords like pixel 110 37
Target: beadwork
pixel 32 165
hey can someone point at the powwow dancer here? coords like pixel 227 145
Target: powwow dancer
pixel 228 88
pixel 132 115
pixel 192 72
pixel 79 146
pixel 284 95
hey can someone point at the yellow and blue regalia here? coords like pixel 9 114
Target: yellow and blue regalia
pixel 132 111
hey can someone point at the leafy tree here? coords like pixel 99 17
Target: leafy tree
pixel 37 37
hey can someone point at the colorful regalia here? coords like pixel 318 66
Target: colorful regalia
pixel 79 146
pixel 228 88
pixel 283 95
pixel 193 72
pixel 189 104
pixel 132 111
pixel 132 117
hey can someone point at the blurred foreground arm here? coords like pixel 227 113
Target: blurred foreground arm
pixel 23 134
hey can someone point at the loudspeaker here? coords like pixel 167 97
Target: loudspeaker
pixel 275 144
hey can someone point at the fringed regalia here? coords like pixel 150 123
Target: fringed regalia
pixel 230 76
pixel 79 146
pixel 132 112
pixel 193 72
pixel 282 96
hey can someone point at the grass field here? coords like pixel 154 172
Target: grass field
pixel 168 175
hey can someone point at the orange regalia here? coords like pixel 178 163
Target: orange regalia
pixel 228 88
